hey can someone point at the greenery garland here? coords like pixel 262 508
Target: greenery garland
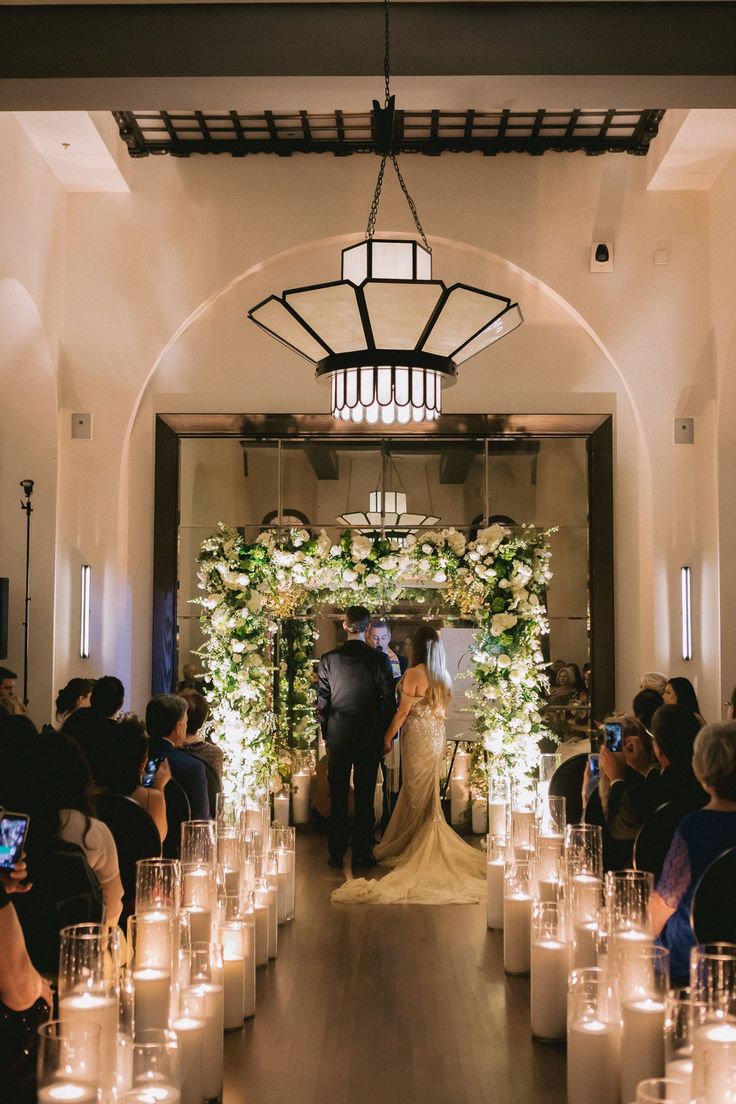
pixel 497 580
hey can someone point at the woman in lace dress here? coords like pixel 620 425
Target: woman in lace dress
pixel 432 865
pixel 700 838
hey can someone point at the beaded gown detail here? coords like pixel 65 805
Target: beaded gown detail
pixel 432 864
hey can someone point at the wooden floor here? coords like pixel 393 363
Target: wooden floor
pixel 371 1004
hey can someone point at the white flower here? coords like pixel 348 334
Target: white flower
pixel 349 576
pixel 502 621
pixel 492 536
pixel 362 547
pixel 427 549
pixel 283 559
pixel 237 647
pixel 372 580
pixel 439 577
pixel 503 660
pixel 456 541
pixel 335 551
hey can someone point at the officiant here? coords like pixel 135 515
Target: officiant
pixel 379 636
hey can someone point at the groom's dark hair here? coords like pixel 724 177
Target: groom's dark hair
pixel 357 619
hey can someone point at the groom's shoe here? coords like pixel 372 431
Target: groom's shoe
pixel 367 862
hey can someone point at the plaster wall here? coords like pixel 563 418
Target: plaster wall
pixel 156 285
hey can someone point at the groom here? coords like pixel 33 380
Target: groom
pixel 356 701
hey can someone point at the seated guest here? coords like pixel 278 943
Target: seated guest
pixel 69 797
pixel 204 749
pixel 108 695
pixel 653 680
pixel 75 695
pixel 166 724
pixel 191 678
pixel 674 729
pixel 639 758
pixel 129 758
pixel 11 703
pixel 700 838
pixel 95 735
pixel 645 705
pixel 680 691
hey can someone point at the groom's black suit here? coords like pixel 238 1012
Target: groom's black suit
pixel 356 701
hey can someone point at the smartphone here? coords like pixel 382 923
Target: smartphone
pixel 594 765
pixel 13 831
pixel 149 771
pixel 613 735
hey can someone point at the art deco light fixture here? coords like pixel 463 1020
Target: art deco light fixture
pixel 386 335
pixel 387 513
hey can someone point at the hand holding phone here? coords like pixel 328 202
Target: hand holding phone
pixel 149 771
pixel 13 830
pixel 594 766
pixel 613 738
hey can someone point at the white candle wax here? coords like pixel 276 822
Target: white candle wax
pixel 681 1069
pixel 261 915
pixel 232 882
pixel 497 818
pixel 200 924
pixel 302 782
pixel 494 893
pixel 517 916
pixel 479 816
pixel 96 1008
pixel 584 945
pixel 273 918
pixel 190 1033
pixel 67 1092
pixel 249 967
pixel 197 888
pixel 522 829
pixel 550 967
pixel 586 896
pixel 151 996
pixel 281 809
pixel 152 1094
pixel 153 940
pixel 710 1036
pixel 593 1062
pixel 283 888
pixel 234 992
pixel 635 971
pixel 642 1043
pixel 213 1039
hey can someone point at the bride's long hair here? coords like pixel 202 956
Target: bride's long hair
pixel 427 649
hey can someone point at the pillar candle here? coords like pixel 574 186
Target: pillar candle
pixel 494 891
pixel 100 1009
pixel 213 1039
pixel 517 915
pixel 283 888
pixel 714 1034
pixel 200 922
pixel 593 1051
pixel 550 967
pixel 273 916
pixel 150 1094
pixel 233 992
pixel 153 939
pixel 288 858
pixel 586 897
pixel 642 1043
pixel 681 1069
pixel 190 1034
pixel 249 966
pixel 497 818
pixel 461 765
pixel 300 796
pixel 67 1092
pixel 232 882
pixel 260 910
pixel 634 970
pixel 151 997
pixel 197 887
pixel 281 809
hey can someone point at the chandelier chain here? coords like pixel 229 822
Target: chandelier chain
pixel 411 204
pixel 373 213
pixel 387 52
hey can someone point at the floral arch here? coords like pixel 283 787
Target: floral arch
pixel 497 580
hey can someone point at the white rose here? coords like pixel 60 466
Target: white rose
pixel 335 551
pixel 503 660
pixel 349 576
pixel 440 577
pixel 372 580
pixel 427 549
pixel 237 646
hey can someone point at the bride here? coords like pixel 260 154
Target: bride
pixel 432 865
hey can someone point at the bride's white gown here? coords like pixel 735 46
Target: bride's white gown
pixel 432 864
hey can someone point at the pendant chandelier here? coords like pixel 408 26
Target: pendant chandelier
pixel 387 513
pixel 386 335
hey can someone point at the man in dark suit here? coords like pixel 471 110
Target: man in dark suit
pixel 166 725
pixel 355 698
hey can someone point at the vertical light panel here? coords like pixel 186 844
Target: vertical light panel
pixel 686 623
pixel 84 601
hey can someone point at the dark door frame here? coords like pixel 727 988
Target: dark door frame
pixel 596 429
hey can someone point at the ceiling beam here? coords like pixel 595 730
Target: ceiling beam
pixel 323 460
pixel 111 56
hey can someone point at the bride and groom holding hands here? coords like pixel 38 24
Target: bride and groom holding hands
pixel 360 716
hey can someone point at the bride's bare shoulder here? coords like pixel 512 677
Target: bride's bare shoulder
pixel 415 681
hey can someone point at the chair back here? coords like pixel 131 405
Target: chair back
pixel 178 810
pixel 567 782
pixel 713 911
pixel 136 837
pixel 655 836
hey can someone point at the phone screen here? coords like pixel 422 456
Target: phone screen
pixel 13 828
pixel 594 765
pixel 613 735
pixel 149 771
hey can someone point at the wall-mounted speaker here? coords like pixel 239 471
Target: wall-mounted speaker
pixel 4 605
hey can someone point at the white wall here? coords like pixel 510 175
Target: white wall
pixel 157 284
